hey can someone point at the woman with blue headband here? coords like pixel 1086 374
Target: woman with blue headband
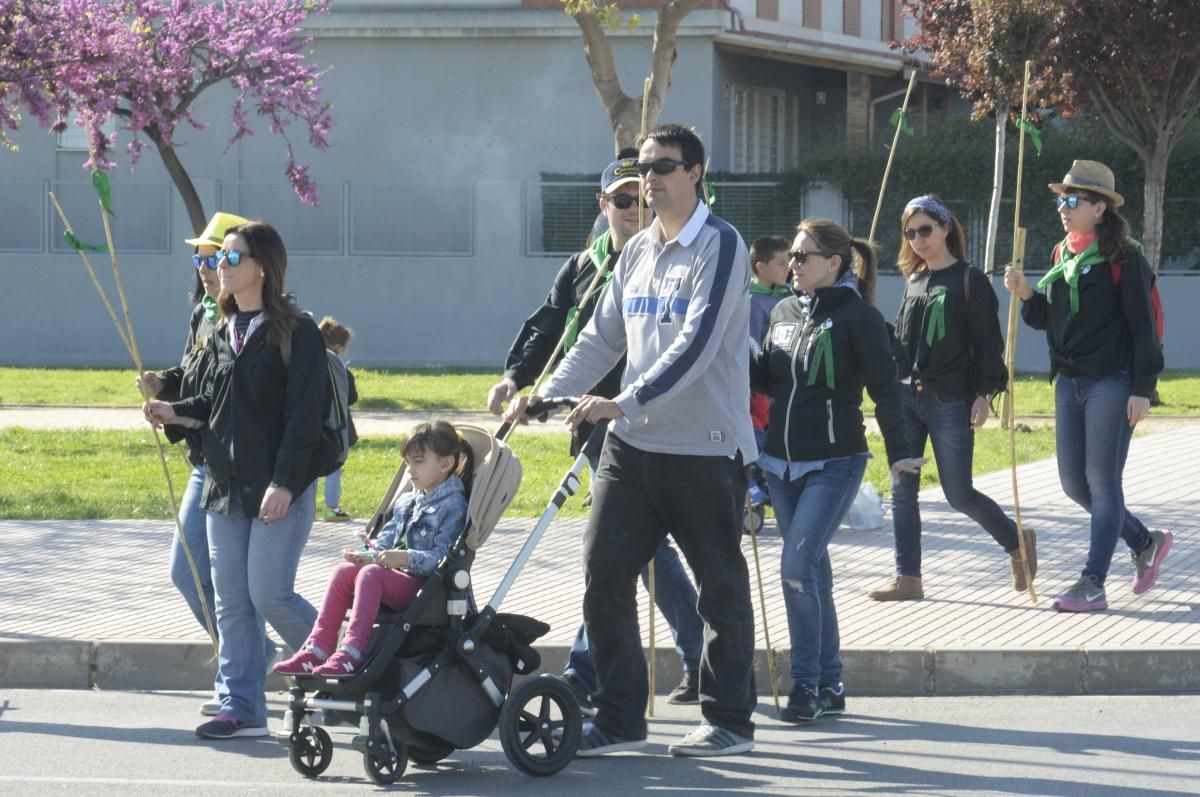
pixel 950 357
pixel 1105 351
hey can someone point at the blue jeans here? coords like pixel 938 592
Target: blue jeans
pixel 254 573
pixel 1092 435
pixel 193 522
pixel 333 489
pixel 947 424
pixel 808 511
pixel 676 599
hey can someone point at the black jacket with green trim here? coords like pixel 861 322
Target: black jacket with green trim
pixel 1113 330
pixel 840 339
pixel 966 357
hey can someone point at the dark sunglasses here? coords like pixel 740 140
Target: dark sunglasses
pixel 200 261
pixel 623 201
pixel 1070 200
pixel 660 166
pixel 233 258
pixel 800 256
pixel 925 230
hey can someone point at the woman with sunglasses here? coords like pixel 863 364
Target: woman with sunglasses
pixel 1105 351
pixel 821 348
pixel 183 382
pixel 950 356
pixel 264 449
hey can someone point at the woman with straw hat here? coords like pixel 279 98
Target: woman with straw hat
pixel 1106 354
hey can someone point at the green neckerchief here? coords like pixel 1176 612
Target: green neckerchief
pixel 211 310
pixel 937 318
pixel 763 290
pixel 1070 266
pixel 601 255
pixel 824 355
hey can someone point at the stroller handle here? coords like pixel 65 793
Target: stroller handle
pixel 542 408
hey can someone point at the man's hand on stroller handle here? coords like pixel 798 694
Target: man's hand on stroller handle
pixel 593 409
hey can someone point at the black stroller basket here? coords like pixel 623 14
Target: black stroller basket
pixel 437 678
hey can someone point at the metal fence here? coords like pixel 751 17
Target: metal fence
pixel 559 215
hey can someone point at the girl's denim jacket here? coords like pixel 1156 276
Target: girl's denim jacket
pixel 426 524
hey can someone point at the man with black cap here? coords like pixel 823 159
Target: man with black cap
pixel 564 310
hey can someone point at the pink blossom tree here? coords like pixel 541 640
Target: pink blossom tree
pixel 143 63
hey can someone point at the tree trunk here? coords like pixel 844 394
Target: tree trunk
pixel 993 228
pixel 1152 215
pixel 183 183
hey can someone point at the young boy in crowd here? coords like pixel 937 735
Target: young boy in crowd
pixel 769 259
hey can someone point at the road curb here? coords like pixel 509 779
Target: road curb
pixel 125 664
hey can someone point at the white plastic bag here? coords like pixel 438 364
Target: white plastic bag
pixel 867 510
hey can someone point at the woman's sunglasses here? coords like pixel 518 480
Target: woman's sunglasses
pixel 202 261
pixel 925 230
pixel 233 258
pixel 1069 200
pixel 622 201
pixel 800 256
pixel 660 166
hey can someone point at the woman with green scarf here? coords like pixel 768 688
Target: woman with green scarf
pixel 1106 354
pixel 180 383
pixel 950 359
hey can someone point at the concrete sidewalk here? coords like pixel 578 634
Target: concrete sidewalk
pixel 89 603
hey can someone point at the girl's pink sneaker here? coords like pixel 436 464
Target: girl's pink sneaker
pixel 303 663
pixel 340 663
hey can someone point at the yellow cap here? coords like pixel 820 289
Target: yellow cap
pixel 214 233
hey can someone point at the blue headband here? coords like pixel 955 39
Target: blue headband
pixel 929 204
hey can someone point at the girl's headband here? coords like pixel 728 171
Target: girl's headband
pixel 929 204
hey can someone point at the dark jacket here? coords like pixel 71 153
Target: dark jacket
pixel 192 377
pixel 540 333
pixel 269 412
pixel 811 421
pixel 1113 330
pixel 968 359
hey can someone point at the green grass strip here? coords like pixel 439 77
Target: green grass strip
pixel 87 474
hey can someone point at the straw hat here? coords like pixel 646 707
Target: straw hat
pixel 1090 176
pixel 214 233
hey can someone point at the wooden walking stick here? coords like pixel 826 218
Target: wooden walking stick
pixel 1008 410
pixel 900 125
pixel 762 609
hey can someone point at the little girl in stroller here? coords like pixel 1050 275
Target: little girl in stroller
pixel 423 525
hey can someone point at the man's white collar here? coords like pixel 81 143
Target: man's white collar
pixel 690 230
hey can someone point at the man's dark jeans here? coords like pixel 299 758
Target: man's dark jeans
pixel 947 424
pixel 637 497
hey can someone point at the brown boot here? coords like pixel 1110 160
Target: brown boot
pixel 901 588
pixel 1018 571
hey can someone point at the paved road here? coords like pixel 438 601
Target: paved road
pixel 137 743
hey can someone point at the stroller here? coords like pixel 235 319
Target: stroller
pixel 439 678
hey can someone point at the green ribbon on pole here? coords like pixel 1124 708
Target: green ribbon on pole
pixel 103 190
pixel 1035 135
pixel 900 117
pixel 824 356
pixel 712 193
pixel 80 246
pixel 937 319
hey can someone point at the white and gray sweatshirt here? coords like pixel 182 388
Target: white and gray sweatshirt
pixel 680 308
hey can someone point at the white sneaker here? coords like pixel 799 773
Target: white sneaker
pixel 211 707
pixel 709 740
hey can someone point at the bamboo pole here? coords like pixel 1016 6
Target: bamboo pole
pixel 762 608
pixel 1008 412
pixel 912 80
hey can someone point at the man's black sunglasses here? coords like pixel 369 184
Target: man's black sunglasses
pixel 660 166
pixel 622 201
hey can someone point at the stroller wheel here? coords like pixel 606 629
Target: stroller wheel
pixel 753 519
pixel 382 764
pixel 311 751
pixel 540 727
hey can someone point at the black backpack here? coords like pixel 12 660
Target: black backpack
pixel 335 432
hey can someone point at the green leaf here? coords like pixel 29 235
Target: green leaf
pixel 899 117
pixel 80 246
pixel 1035 135
pixel 103 190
